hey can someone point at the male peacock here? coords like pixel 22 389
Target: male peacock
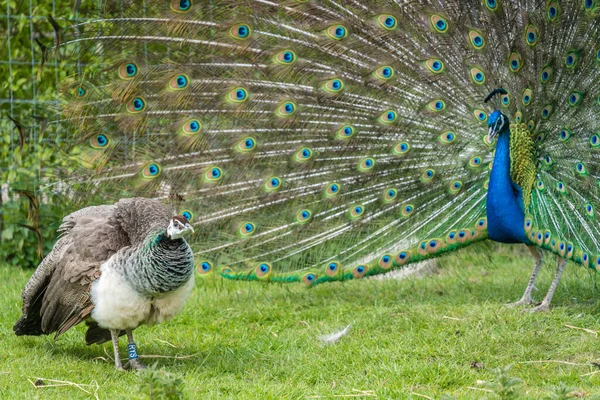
pixel 115 267
pixel 329 140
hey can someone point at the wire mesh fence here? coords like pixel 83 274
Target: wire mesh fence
pixel 27 92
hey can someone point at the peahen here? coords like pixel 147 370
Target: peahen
pixel 116 267
pixel 318 141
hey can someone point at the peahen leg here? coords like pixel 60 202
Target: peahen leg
pixel 114 334
pixel 526 299
pixel 545 305
pixel 134 362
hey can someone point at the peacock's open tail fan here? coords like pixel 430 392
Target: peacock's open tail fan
pixel 318 141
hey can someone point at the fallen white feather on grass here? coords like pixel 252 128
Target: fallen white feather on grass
pixel 335 336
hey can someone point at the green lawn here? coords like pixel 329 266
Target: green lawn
pixel 410 339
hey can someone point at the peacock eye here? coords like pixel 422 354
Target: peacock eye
pixel 181 6
pixel 240 32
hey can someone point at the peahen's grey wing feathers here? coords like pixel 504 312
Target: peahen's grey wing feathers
pixel 57 296
pixel 336 139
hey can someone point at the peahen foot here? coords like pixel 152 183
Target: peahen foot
pixel 115 342
pixel 134 364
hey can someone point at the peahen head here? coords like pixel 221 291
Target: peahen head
pixel 179 227
pixel 496 123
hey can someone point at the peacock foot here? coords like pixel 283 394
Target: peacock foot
pixel 541 308
pixel 523 302
pixel 134 363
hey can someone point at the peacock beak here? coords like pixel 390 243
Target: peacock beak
pixel 189 227
pixel 491 133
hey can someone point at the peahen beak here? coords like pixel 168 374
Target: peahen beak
pixel 189 227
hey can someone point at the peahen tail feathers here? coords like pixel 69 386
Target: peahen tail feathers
pixel 327 140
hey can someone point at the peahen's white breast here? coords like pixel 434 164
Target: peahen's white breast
pixel 117 305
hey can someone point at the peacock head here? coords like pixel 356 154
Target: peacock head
pixel 496 123
pixel 178 227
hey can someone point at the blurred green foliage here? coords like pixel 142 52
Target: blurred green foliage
pixel 30 214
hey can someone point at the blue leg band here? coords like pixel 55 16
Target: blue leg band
pixel 132 351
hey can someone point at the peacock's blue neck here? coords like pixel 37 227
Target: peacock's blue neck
pixel 505 212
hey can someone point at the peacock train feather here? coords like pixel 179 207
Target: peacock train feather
pixel 319 141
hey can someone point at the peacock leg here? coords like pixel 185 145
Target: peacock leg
pixel 526 299
pixel 114 334
pixel 133 362
pixel 545 305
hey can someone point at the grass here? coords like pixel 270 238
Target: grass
pixel 410 339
